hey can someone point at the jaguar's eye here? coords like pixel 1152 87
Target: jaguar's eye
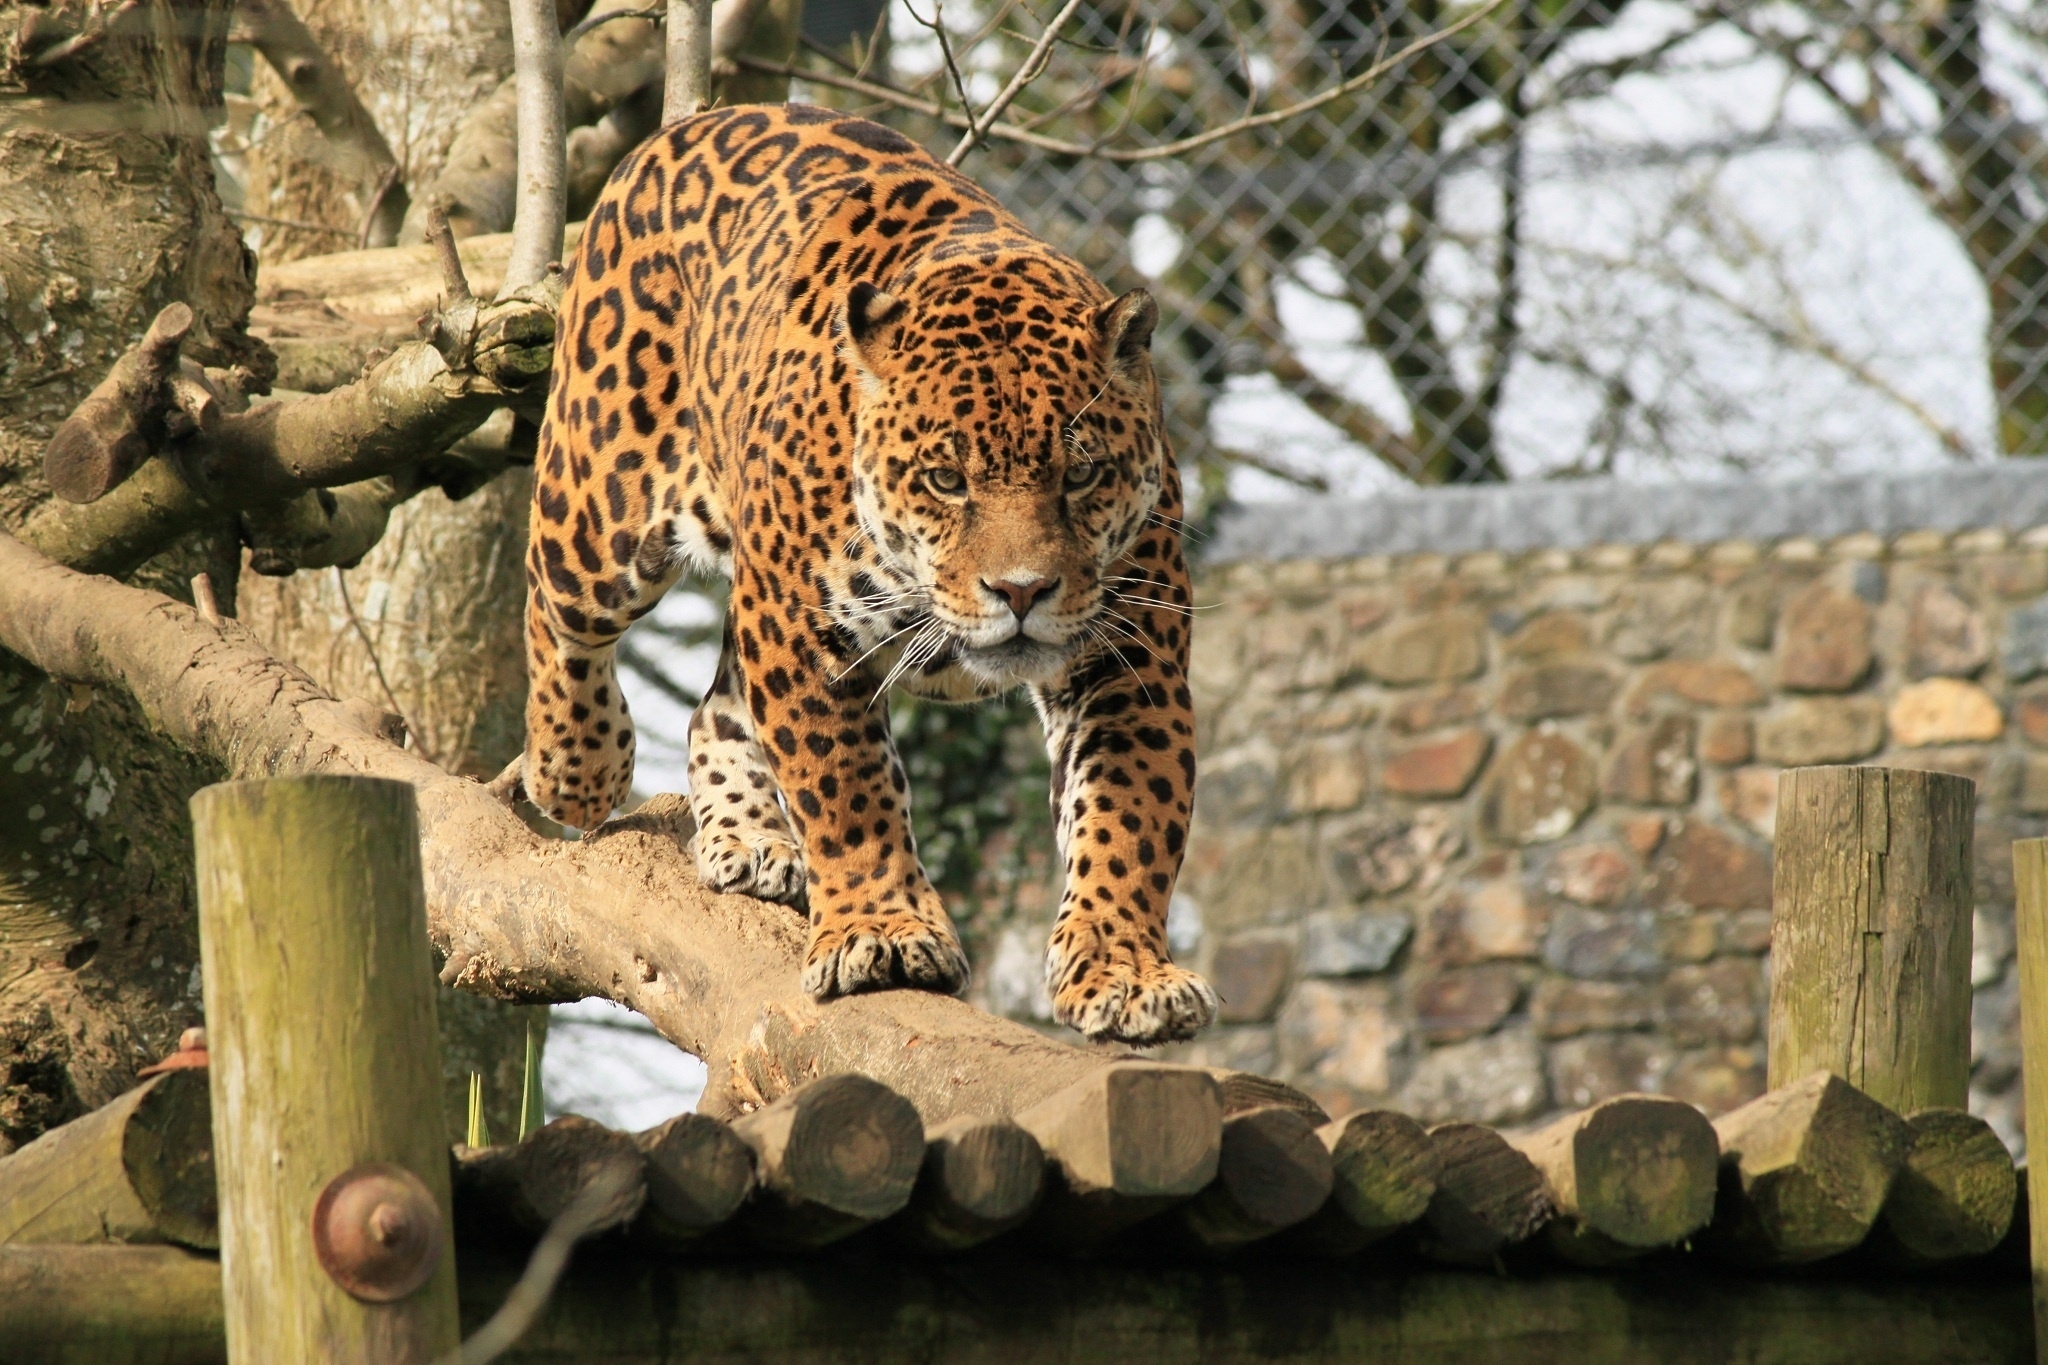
pixel 941 479
pixel 1081 473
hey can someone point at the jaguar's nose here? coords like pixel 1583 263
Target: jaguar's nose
pixel 1021 592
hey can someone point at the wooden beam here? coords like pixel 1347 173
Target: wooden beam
pixel 1384 1169
pixel 1954 1197
pixel 2030 916
pixel 1870 933
pixel 1806 1172
pixel 1123 1144
pixel 138 1169
pixel 320 1026
pixel 1627 1176
pixel 980 1179
pixel 831 1157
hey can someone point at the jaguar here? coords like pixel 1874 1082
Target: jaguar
pixel 925 449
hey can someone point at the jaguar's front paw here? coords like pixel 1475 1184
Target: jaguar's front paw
pixel 1115 1002
pixel 751 862
pixel 876 954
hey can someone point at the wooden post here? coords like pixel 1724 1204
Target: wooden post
pixel 1870 933
pixel 325 1056
pixel 2030 878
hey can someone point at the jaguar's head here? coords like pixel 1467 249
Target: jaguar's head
pixel 1009 451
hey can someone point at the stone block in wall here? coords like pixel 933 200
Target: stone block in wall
pixel 1814 730
pixel 1248 874
pixel 1991 945
pixel 2025 651
pixel 1599 1066
pixel 1351 942
pixel 1328 774
pixel 1706 868
pixel 1727 738
pixel 1438 768
pixel 1495 1079
pixel 1745 931
pixel 1241 784
pixel 1995 1033
pixel 1488 921
pixel 1250 973
pixel 1464 1003
pixel 1552 691
pixel 2011 575
pixel 1944 711
pixel 1703 682
pixel 1750 795
pixel 1563 1007
pixel 1440 647
pixel 1377 854
pixel 1717 1080
pixel 1591 874
pixel 1659 617
pixel 1591 943
pixel 1714 1002
pixel 1412 715
pixel 1688 935
pixel 1823 640
pixel 1541 787
pixel 1242 1048
pixel 1653 764
pixel 1342 1036
pixel 1550 635
pixel 1944 635
pixel 2030 713
pixel 1752 613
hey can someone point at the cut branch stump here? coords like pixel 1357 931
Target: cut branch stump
pixel 321 1033
pixel 1870 933
pixel 109 435
pixel 981 1178
pixel 831 1158
pixel 1385 1168
pixel 139 1169
pixel 1804 1172
pixel 1629 1175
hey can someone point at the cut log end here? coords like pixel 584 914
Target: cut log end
pixel 1955 1195
pixel 832 1157
pixel 1488 1198
pixel 981 1177
pixel 1384 1170
pixel 1630 1174
pixel 699 1172
pixel 1125 1143
pixel 1272 1172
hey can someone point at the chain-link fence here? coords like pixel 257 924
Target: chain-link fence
pixel 1572 237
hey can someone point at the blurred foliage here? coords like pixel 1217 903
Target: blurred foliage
pixel 975 772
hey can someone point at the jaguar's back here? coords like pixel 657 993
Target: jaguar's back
pixel 798 351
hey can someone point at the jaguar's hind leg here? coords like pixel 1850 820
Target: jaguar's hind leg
pixel 744 843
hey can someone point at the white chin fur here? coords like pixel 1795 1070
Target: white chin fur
pixel 1016 661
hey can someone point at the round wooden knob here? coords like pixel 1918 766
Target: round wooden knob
pixel 377 1231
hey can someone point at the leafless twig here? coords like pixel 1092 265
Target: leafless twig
pixel 348 608
pixel 1034 65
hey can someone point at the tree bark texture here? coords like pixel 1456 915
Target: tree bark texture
pixel 107 214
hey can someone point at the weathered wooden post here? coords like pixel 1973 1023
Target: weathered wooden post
pixel 2030 879
pixel 327 1127
pixel 1870 933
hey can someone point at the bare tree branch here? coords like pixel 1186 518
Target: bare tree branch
pixel 1033 66
pixel 687 88
pixel 542 213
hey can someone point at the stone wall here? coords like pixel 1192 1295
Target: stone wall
pixel 1485 833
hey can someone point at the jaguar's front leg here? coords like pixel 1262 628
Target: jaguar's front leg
pixel 743 843
pixel 1120 732
pixel 876 920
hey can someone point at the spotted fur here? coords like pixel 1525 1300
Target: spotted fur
pixel 925 448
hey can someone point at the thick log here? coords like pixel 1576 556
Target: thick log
pixel 1804 1172
pixel 831 1157
pixel 137 1170
pixel 1489 1197
pixel 108 436
pixel 1955 1195
pixel 110 1305
pixel 1628 1175
pixel 527 1185
pixel 1384 1168
pixel 532 919
pixel 1870 933
pixel 1123 1144
pixel 980 1179
pixel 1272 1172
pixel 699 1172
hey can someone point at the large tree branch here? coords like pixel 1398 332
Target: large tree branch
pixel 619 914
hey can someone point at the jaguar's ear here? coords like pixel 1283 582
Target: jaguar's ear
pixel 868 311
pixel 1126 324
